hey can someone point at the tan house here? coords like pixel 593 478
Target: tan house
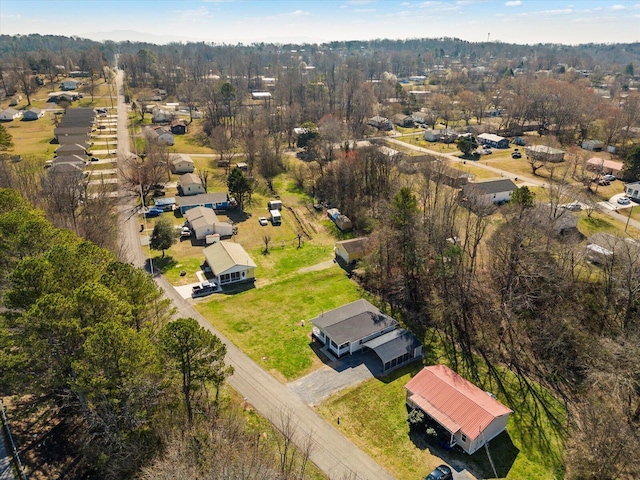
pixel 229 263
pixel 544 153
pixel 203 221
pixel 181 164
pixel 352 250
pixel 472 416
pixel 190 184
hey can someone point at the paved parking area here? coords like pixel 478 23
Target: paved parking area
pixel 336 375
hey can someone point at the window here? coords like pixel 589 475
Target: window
pixel 463 438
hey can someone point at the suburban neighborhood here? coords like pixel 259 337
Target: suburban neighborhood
pixel 331 261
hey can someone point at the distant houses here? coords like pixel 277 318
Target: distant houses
pixel 33 114
pixel 10 114
pixel 544 153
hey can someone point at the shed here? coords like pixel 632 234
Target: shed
pixel 165 203
pixel 352 250
pixel 594 145
pixel 472 416
pixel 344 223
pixel 181 164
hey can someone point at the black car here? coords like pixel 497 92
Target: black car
pixel 443 472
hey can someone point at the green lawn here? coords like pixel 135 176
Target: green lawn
pixel 530 449
pixel 266 322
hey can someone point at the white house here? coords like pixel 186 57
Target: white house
pixel 632 190
pixel 491 140
pixel 9 114
pixel 203 221
pixel 472 416
pixel 492 191
pixel 190 184
pixel 359 326
pixel 160 135
pixel 229 263
pixel 181 164
pixel 544 153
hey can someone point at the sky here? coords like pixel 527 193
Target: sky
pixel 318 21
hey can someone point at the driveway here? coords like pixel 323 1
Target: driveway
pixel 334 454
pixel 336 375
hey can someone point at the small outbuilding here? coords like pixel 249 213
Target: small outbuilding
pixel 350 251
pixel 603 166
pixel 181 164
pixel 472 416
pixel 274 205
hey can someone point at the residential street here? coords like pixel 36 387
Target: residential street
pixel 530 181
pixel 335 455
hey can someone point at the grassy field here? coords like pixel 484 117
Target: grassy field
pixel 374 416
pixel 267 322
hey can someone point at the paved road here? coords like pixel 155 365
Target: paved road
pixel 529 181
pixel 335 455
pixel 6 473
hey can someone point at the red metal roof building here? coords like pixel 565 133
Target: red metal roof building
pixel 472 416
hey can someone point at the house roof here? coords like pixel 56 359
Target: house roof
pixel 601 162
pixel 491 137
pixel 70 147
pixel 393 344
pixel 75 159
pixel 73 139
pixel 544 149
pixel 200 217
pixel 179 159
pixel 189 179
pixel 353 321
pixel 203 198
pixel 354 245
pixel 35 110
pixel 492 186
pixel 455 403
pixel 222 256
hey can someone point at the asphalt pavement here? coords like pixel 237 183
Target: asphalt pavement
pixel 331 452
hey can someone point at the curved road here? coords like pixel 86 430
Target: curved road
pixel 503 173
pixel 335 455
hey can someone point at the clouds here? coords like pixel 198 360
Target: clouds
pixel 513 3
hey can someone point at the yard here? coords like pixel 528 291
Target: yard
pixel 530 449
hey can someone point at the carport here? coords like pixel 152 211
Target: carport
pixel 395 348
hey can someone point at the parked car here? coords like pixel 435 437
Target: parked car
pixel 94 159
pixel 516 154
pixel 604 183
pixel 263 221
pixel 204 289
pixel 153 212
pixel 442 472
pixel 624 201
pixel 185 232
pixel 609 177
pixel 159 193
pixel 573 207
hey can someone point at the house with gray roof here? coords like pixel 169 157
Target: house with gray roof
pixel 229 263
pixel 489 192
pixel 358 326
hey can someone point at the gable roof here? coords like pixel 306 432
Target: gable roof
pixel 601 162
pixel 455 403
pixel 491 137
pixel 203 198
pixel 353 321
pixel 189 179
pixel 222 256
pixel 201 216
pixel 176 160
pixel 354 245
pixel 492 186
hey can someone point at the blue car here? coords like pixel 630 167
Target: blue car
pixel 152 212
